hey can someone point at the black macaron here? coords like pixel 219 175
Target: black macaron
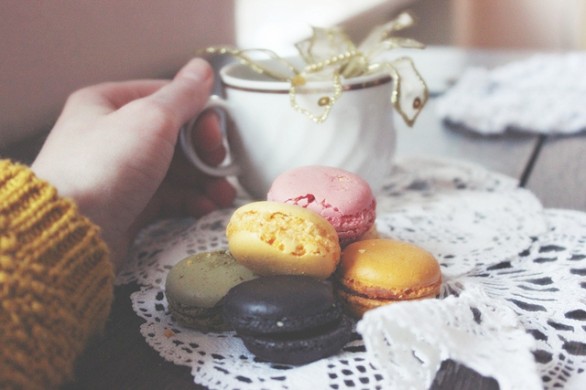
pixel 287 319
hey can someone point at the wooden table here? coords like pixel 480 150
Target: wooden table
pixel 552 167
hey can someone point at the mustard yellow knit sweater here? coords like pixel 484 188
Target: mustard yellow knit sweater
pixel 56 282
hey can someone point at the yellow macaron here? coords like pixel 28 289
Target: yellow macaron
pixel 378 272
pixel 273 238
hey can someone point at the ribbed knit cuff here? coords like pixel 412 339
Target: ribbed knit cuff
pixel 56 281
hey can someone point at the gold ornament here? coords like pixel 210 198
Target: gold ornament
pixel 323 101
pixel 330 55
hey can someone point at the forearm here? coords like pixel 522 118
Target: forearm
pixel 55 281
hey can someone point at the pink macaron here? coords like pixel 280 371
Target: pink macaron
pixel 341 197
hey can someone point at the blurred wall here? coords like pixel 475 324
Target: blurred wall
pixel 536 24
pixel 278 25
pixel 50 48
pixel 508 24
pixel 434 22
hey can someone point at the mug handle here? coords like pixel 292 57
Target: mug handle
pixel 185 140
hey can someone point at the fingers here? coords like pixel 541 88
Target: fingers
pixel 102 99
pixel 173 200
pixel 159 105
pixel 207 139
pixel 208 144
pixel 188 92
pixel 220 191
pixel 197 205
pixel 184 175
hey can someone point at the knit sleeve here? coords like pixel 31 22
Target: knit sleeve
pixel 56 281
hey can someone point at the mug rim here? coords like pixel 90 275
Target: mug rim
pixel 231 81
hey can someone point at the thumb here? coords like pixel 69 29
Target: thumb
pixel 177 102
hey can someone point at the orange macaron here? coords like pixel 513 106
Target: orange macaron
pixel 377 272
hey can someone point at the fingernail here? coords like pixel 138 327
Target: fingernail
pixel 197 69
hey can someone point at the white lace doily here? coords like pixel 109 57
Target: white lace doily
pixel 513 301
pixel 542 94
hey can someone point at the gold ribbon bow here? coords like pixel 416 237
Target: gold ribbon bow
pixel 330 55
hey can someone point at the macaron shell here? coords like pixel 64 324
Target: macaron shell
pixel 281 304
pixel 341 197
pixel 203 279
pixel 301 349
pixel 203 319
pixel 273 238
pixel 356 305
pixel 389 270
pixel 352 227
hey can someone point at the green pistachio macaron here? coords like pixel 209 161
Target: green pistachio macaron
pixel 196 285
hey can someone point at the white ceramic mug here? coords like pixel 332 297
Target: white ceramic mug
pixel 266 136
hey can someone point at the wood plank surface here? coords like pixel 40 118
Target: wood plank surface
pixel 440 67
pixel 506 153
pixel 558 176
pixel 121 359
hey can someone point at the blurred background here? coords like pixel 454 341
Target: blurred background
pixel 50 48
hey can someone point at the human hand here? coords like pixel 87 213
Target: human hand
pixel 113 151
